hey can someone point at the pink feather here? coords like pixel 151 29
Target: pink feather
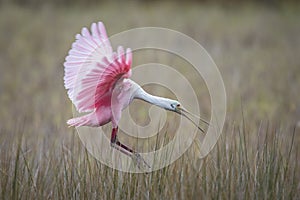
pixel 92 68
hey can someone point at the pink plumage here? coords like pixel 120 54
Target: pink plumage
pixel 97 80
pixel 92 70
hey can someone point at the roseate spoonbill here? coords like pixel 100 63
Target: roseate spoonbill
pixel 97 80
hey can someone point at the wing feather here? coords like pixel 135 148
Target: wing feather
pixel 92 68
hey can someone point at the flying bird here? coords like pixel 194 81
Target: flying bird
pixel 97 81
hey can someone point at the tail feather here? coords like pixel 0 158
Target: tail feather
pixel 80 121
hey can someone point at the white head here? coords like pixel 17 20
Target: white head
pixel 168 104
pixel 175 106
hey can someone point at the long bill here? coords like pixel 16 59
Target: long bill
pixel 185 113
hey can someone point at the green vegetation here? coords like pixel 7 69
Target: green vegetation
pixel 256 49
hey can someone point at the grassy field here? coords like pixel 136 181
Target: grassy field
pixel 257 157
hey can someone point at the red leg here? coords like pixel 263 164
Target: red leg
pixel 114 135
pixel 126 150
pixel 114 140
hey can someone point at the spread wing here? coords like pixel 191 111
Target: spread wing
pixel 92 68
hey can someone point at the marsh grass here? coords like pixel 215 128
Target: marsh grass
pixel 244 164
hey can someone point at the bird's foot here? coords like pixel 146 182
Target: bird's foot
pixel 140 162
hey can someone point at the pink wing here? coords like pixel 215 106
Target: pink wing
pixel 92 68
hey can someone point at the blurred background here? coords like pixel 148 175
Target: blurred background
pixel 256 46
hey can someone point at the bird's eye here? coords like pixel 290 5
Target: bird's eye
pixel 172 105
pixel 178 105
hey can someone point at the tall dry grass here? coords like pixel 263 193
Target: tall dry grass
pixel 240 167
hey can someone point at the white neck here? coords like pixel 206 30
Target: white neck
pixel 158 101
